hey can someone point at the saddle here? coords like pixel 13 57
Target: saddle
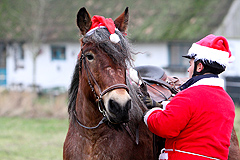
pixel 160 87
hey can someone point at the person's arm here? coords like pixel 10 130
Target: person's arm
pixel 170 122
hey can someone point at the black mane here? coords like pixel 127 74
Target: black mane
pixel 73 90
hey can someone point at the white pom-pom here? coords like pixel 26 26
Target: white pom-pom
pixel 114 38
pixel 231 59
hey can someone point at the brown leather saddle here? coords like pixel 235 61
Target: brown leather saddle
pixel 159 86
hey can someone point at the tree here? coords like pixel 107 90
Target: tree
pixel 25 21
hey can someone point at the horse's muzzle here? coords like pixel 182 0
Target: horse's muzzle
pixel 119 113
pixel 117 105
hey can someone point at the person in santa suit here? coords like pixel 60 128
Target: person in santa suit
pixel 197 123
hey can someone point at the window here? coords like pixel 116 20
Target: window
pixel 176 51
pixel 2 55
pixel 58 53
pixel 18 50
pixel 21 51
pixel 3 71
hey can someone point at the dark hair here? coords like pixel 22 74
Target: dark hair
pixel 209 67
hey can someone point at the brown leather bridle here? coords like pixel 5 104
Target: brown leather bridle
pixel 99 99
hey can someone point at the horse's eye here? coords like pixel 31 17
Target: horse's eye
pixel 90 56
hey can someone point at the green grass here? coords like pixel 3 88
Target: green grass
pixel 237 122
pixel 32 139
pixel 41 139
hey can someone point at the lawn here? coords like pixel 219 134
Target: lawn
pixel 40 139
pixel 237 122
pixel 32 139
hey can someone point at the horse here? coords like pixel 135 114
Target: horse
pixel 105 111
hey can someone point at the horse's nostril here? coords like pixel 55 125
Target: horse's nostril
pixel 119 111
pixel 128 105
pixel 113 106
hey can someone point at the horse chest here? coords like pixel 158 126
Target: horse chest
pixel 96 149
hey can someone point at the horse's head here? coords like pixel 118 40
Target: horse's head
pixel 103 63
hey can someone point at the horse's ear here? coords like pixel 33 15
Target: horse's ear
pixel 83 20
pixel 122 21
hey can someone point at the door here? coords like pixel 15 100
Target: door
pixel 3 71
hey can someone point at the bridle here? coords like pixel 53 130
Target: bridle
pixel 101 107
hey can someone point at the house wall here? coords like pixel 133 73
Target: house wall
pixel 151 54
pixel 231 24
pixel 230 28
pixel 49 73
pixel 156 54
pixel 57 73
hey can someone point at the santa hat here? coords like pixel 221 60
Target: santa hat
pixel 101 22
pixel 212 49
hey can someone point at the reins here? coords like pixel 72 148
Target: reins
pixel 101 122
pixel 99 99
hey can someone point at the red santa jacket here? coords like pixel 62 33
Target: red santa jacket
pixel 198 120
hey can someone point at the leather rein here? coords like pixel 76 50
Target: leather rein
pixel 99 99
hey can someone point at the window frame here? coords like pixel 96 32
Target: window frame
pixel 60 50
pixel 181 48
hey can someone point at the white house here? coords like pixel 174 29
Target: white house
pixel 57 58
pixel 56 62
pixel 54 65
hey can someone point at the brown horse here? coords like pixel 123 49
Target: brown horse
pixel 104 111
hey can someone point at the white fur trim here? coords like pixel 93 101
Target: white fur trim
pixel 114 38
pixel 90 32
pixel 148 113
pixel 231 59
pixel 210 82
pixel 134 76
pixel 210 54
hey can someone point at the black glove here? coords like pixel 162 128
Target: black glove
pixel 150 103
pixel 143 89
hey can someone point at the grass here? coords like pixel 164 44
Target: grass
pixel 237 122
pixel 32 139
pixel 40 139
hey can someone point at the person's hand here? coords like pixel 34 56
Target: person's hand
pixel 150 103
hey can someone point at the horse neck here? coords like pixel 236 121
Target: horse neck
pixel 87 110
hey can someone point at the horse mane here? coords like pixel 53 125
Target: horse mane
pixel 120 54
pixel 73 90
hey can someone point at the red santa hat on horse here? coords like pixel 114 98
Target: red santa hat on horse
pixel 213 52
pixel 102 22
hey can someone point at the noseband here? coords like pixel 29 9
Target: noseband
pixel 99 99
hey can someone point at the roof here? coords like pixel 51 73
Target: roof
pixel 150 21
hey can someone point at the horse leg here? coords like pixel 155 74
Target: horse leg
pixel 234 152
